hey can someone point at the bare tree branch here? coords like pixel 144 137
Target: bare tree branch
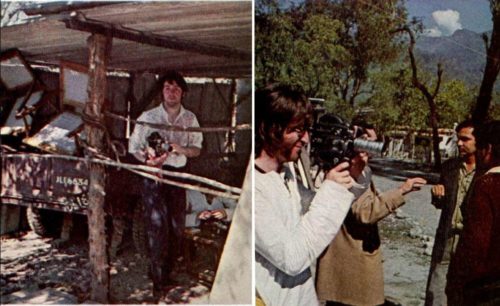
pixel 438 83
pixel 430 98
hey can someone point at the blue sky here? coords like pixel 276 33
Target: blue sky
pixel 443 17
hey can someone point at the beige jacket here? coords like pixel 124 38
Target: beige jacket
pixel 350 271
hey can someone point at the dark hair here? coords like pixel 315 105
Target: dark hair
pixel 173 75
pixel 489 134
pixel 276 107
pixel 465 124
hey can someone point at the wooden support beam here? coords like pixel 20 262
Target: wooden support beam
pixel 57 7
pixel 78 22
pixel 99 48
pixel 230 135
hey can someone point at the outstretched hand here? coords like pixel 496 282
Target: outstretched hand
pixel 412 184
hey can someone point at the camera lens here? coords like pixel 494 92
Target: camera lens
pixel 371 147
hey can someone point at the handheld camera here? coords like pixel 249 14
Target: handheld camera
pixel 333 141
pixel 158 144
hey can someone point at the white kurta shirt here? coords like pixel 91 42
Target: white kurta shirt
pixel 288 243
pixel 158 115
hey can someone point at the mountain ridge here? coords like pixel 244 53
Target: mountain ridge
pixel 463 55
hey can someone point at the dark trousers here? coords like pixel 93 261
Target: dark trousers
pixel 164 220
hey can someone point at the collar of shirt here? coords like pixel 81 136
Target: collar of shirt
pixel 181 113
pixel 463 169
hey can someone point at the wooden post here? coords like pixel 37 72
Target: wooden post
pixel 99 50
pixel 230 136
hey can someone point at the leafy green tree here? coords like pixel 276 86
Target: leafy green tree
pixel 274 42
pixel 333 45
pixel 454 103
pixel 305 58
pixel 397 103
pixel 317 55
pixel 368 36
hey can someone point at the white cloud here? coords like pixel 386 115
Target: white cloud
pixel 448 21
pixel 433 32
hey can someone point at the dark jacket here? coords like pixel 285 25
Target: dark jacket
pixel 474 272
pixel 441 253
pixel 449 178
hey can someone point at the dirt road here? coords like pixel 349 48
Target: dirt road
pixel 407 238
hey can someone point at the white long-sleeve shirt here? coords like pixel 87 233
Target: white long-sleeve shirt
pixel 288 243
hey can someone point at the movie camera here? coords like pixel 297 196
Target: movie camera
pixel 158 144
pixel 333 140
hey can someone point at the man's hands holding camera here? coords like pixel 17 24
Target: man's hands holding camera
pixel 346 173
pixel 153 160
pixel 340 174
pixel 158 150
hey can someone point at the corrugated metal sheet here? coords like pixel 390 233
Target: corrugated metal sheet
pixel 226 24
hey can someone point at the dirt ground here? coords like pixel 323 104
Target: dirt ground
pixel 34 271
pixel 405 263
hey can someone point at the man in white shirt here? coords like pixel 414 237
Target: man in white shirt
pixel 287 242
pixel 165 205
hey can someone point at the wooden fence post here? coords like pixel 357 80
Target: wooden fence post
pixel 99 50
